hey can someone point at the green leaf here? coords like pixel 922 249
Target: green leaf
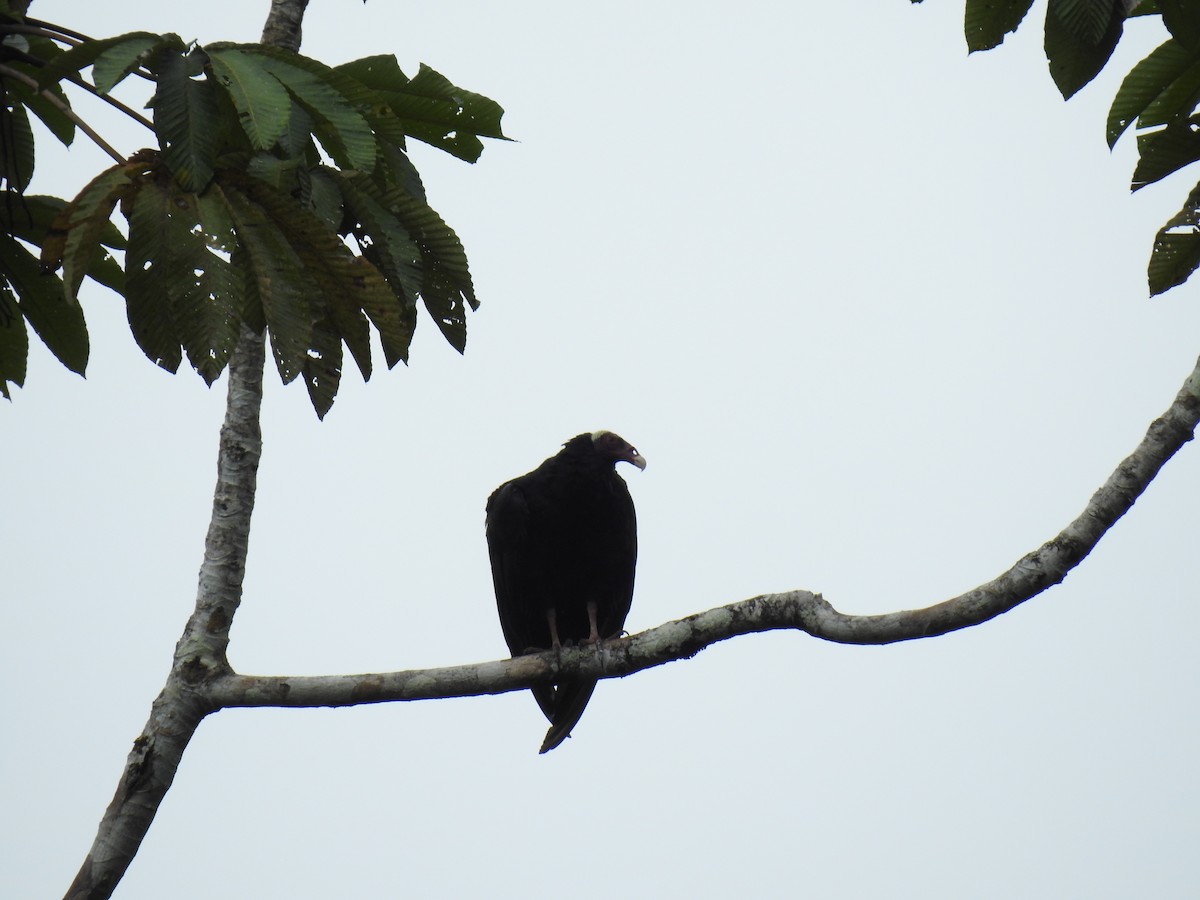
pixel 147 302
pixel 185 120
pixel 83 55
pixel 444 303
pixel 114 64
pixel 262 103
pixel 1166 151
pixel 1076 60
pixel 340 128
pixel 57 121
pixel 988 22
pixel 279 278
pixel 1146 82
pixel 73 240
pixel 16 149
pixel 58 322
pixel 14 341
pixel 1176 252
pixel 343 284
pixel 30 220
pixel 395 321
pixel 391 247
pixel 323 367
pixel 1182 18
pixel 1086 19
pixel 433 110
pixel 33 216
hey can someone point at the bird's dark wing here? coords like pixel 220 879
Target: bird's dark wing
pixel 515 576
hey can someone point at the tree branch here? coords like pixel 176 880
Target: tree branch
pixel 799 610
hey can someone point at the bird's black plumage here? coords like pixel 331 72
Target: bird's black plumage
pixel 563 546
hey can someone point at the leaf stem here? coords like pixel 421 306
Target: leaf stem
pixel 64 108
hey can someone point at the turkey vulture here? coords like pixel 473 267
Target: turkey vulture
pixel 563 544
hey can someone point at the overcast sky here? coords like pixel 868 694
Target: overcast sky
pixel 876 315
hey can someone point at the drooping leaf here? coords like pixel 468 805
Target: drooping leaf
pixel 185 120
pixel 84 54
pixel 1166 151
pixel 1076 60
pixel 30 219
pixel 58 322
pixel 323 367
pixel 183 289
pixel 395 321
pixel 14 341
pixel 115 63
pixel 444 303
pixel 279 279
pixel 16 148
pixel 1176 252
pixel 386 241
pixel 1153 75
pixel 147 302
pixel 73 240
pixel 262 103
pixel 988 22
pixel 343 284
pixel 1182 18
pixel 56 121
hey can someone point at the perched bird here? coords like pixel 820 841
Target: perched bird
pixel 563 545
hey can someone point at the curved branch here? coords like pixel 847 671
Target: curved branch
pixel 799 610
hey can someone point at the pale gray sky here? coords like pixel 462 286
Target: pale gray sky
pixel 876 315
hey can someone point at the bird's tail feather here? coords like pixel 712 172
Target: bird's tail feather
pixel 570 700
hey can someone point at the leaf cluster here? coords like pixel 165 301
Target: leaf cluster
pixel 280 197
pixel 1160 96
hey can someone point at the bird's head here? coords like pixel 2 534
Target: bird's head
pixel 614 447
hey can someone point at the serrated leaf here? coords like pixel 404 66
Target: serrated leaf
pixel 185 120
pixel 83 55
pixel 323 367
pixel 262 103
pixel 279 278
pixel 343 283
pixel 147 302
pixel 988 22
pixel 14 341
pixel 58 323
pixel 73 240
pixel 16 149
pixel 340 128
pixel 395 321
pixel 114 64
pixel 380 233
pixel 444 303
pixel 1166 151
pixel 1145 82
pixel 1176 252
pixel 183 287
pixel 1075 60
